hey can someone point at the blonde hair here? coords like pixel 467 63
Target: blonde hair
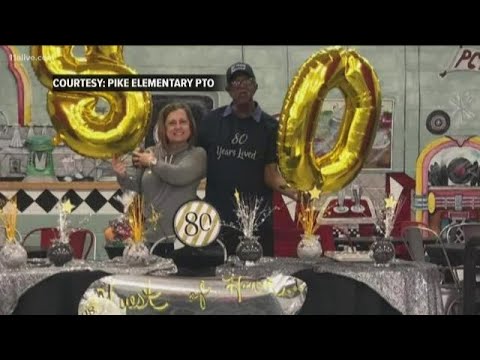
pixel 162 117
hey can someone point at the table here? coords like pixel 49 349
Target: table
pixel 175 295
pixel 371 239
pixel 100 293
pixel 332 287
pixel 15 282
pixel 266 266
pixel 410 288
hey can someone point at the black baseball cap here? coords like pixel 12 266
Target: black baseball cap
pixel 239 68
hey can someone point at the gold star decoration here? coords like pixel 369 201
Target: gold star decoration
pixel 390 202
pixel 315 193
pixel 67 206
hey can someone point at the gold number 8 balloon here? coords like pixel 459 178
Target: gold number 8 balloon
pixel 73 114
pixel 354 76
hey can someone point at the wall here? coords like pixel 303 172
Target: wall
pixel 408 74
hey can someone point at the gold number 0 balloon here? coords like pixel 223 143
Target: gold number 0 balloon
pixel 323 71
pixel 73 113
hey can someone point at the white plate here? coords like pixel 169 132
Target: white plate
pixel 340 209
pixel 358 209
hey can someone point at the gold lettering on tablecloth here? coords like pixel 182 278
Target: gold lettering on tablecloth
pixel 236 285
pixel 140 301
pixel 201 295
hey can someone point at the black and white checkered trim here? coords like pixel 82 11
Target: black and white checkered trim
pixel 352 231
pixel 85 202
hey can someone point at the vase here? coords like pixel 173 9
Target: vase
pixel 136 253
pixel 114 250
pixel 382 251
pixel 309 247
pixel 13 255
pixel 60 253
pixel 249 249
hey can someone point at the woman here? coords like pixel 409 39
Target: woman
pixel 168 174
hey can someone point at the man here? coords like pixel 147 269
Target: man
pixel 241 144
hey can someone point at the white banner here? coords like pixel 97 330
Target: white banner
pixel 466 59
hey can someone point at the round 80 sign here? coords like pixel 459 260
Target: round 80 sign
pixel 197 223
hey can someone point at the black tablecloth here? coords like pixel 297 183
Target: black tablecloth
pixel 59 294
pixel 330 294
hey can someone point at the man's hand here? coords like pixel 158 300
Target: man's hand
pixel 276 182
pixel 290 192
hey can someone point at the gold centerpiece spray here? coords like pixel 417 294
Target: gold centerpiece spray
pixel 12 254
pixel 309 247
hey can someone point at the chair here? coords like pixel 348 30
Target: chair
pixel 413 236
pixel 471 288
pixel 469 230
pixel 413 239
pixel 78 238
pixel 401 249
pixel 456 235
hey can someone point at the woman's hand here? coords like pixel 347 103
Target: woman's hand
pixel 119 166
pixel 143 158
pixel 134 158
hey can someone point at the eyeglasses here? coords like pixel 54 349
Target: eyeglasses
pixel 243 82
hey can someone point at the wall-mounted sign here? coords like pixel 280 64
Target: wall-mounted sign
pixel 465 59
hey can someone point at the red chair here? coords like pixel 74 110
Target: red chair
pixel 78 240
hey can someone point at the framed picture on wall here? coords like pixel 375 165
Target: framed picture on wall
pixel 329 122
pixel 15 166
